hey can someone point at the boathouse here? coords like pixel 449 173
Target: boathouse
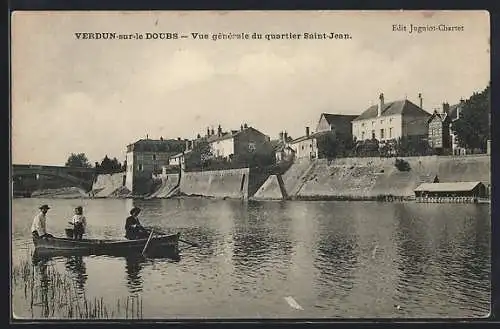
pixel 450 190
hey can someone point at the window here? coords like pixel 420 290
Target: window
pixel 390 119
pixel 140 167
pixel 362 135
pixel 390 132
pixel 363 124
pixel 381 133
pixel 154 157
pixel 382 121
pixel 373 134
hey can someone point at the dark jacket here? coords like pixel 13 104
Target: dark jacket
pixel 134 232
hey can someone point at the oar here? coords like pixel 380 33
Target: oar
pixel 194 244
pixel 147 242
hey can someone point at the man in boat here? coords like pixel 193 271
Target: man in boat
pixel 79 223
pixel 38 228
pixel 133 228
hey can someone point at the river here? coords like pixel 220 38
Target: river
pixel 335 259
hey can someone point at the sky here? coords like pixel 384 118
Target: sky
pixel 73 95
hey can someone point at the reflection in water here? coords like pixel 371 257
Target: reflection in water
pixel 262 246
pixel 442 257
pixel 415 255
pixel 133 267
pixel 41 265
pixel 76 266
pixel 336 259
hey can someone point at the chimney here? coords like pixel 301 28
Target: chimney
pixel 178 138
pixel 241 127
pixel 307 131
pixel 421 101
pixel 147 136
pixel 285 136
pixel 381 105
pixel 446 108
pixel 245 126
pixel 219 131
pixel 187 145
pixel 281 137
pixel 208 131
pixel 212 132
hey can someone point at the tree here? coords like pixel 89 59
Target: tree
pixel 327 145
pixel 473 126
pixel 413 146
pixel 78 160
pixel 199 156
pixel 333 144
pixel 110 165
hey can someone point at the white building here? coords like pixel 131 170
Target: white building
pixel 305 146
pixel 391 120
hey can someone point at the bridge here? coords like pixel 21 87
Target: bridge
pixel 81 177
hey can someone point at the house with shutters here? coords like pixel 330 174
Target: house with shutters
pixel 391 120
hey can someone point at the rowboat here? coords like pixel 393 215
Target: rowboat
pixel 168 244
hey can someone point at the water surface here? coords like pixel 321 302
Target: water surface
pixel 336 259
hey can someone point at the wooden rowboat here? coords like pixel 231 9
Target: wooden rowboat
pixel 168 244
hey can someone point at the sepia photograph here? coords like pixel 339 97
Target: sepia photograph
pixel 173 165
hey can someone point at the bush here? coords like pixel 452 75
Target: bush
pixel 402 165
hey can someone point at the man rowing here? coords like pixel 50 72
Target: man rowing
pixel 39 228
pixel 133 228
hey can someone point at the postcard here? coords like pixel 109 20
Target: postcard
pixel 250 165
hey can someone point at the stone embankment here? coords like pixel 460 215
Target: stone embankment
pixel 61 193
pixel 110 185
pixel 339 179
pixel 371 178
pixel 166 187
pixel 232 183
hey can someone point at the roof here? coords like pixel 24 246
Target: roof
pixel 401 107
pixel 156 141
pixel 311 136
pixel 332 118
pixel 442 116
pixel 178 155
pixel 228 135
pixel 447 187
pixel 173 146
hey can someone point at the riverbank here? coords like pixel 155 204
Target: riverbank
pixel 343 179
pixel 371 178
pixel 61 193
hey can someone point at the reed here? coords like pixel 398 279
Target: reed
pixel 51 294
